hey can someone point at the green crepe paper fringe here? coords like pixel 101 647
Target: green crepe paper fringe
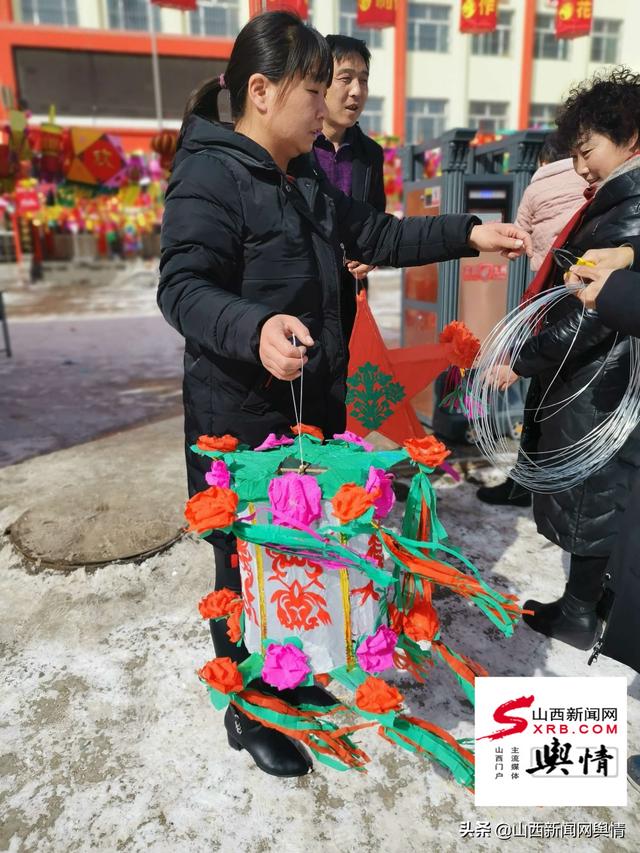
pixel 421 490
pixel 438 749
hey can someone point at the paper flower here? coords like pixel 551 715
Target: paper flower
pixel 233 622
pixel 428 451
pixel 295 498
pixel 218 474
pixel 285 666
pixel 351 501
pixel 379 482
pixel 222 674
pixel 377 697
pixel 464 344
pixel 218 603
pixel 421 622
pixel 271 441
pixel 212 509
pixel 375 653
pixel 223 443
pixel 305 429
pixel 352 438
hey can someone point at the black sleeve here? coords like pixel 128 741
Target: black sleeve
pixel 634 242
pixel 379 238
pixel 574 334
pixel 377 197
pixel 618 303
pixel 201 261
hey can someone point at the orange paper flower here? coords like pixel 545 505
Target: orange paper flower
pixel 464 344
pixel 304 429
pixel 233 622
pixel 223 443
pixel 427 451
pixel 378 697
pixel 421 622
pixel 222 674
pixel 215 507
pixel 218 603
pixel 351 501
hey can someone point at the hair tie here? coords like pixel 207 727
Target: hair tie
pixel 222 82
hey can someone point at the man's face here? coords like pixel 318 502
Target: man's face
pixel 347 95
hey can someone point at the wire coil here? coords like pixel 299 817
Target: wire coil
pixel 565 467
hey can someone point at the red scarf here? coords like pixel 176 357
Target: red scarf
pixel 546 274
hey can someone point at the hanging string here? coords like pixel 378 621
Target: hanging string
pixel 298 411
pixel 566 466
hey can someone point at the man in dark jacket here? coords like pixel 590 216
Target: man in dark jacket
pixel 615 295
pixel 350 159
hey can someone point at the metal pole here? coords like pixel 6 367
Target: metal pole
pixel 155 68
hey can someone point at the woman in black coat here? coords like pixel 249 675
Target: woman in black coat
pixel 600 124
pixel 252 256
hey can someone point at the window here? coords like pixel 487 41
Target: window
pixel 546 45
pixel 488 116
pixel 372 119
pixel 428 27
pixel 497 43
pixel 132 15
pixel 426 119
pixel 605 40
pixel 61 12
pixel 217 19
pixel 542 115
pixel 348 26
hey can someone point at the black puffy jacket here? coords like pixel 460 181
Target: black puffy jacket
pixel 241 243
pixel 585 519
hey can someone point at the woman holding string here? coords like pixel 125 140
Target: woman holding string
pixel 250 276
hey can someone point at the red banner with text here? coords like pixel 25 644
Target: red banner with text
pixel 478 16
pixel 182 5
pixel 573 18
pixel 375 14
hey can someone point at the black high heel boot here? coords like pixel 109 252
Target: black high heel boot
pixel 569 619
pixel 272 751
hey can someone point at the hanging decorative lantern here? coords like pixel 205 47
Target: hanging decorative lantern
pixel 164 144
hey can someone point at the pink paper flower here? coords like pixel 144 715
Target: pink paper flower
pixel 379 480
pixel 218 474
pixel 352 438
pixel 285 666
pixel 295 498
pixel 375 653
pixel 271 441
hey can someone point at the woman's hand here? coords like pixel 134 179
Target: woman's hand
pixel 610 259
pixel 509 240
pixel 501 376
pixel 357 269
pixel 277 354
pixel 597 278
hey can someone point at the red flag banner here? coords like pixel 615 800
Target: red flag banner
pixel 573 18
pixel 375 14
pixel 182 5
pixel 478 16
pixel 300 7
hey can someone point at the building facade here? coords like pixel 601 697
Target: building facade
pixel 92 60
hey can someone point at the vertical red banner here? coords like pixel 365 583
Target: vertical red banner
pixel 573 18
pixel 478 16
pixel 375 14
pixel 300 7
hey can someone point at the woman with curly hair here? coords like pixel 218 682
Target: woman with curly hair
pixel 576 358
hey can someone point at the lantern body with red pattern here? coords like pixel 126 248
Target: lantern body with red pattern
pixel 375 14
pixel 478 16
pixel 300 7
pixel 573 18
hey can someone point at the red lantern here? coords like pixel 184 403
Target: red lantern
pixel 573 18
pixel 164 144
pixel 478 16
pixel 376 14
pixel 300 7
